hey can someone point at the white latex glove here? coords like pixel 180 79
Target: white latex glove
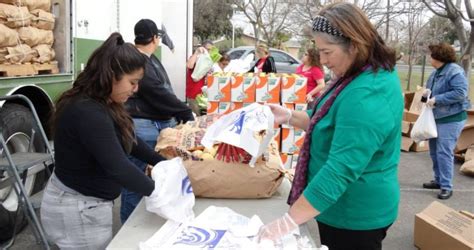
pixel 309 98
pixel 431 102
pixel 277 229
pixel 281 114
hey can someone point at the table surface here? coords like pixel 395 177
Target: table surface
pixel 141 224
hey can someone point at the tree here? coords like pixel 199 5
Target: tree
pixel 267 17
pixel 414 26
pixel 439 30
pixel 211 18
pixel 452 11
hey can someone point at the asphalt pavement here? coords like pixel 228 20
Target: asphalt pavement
pixel 414 169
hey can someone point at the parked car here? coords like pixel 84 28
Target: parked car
pixel 284 62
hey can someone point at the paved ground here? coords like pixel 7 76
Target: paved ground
pixel 415 168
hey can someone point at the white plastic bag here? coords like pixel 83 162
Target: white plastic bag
pixel 239 127
pixel 425 126
pixel 203 65
pixel 173 197
pixel 221 228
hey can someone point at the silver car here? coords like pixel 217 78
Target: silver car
pixel 284 62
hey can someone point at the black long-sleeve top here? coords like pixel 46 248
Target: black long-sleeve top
pixel 155 98
pixel 268 66
pixel 89 155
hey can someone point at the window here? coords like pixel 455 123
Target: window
pixel 236 54
pixel 281 57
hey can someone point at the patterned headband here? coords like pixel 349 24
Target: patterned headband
pixel 322 24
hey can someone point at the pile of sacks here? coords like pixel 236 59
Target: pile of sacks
pixel 26 31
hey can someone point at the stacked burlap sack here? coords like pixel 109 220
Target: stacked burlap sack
pixel 214 178
pixel 26 31
pixel 467 167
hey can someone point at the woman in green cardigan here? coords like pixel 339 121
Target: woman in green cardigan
pixel 346 176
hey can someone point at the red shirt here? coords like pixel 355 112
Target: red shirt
pixel 313 74
pixel 193 88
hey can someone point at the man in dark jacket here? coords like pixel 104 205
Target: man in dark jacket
pixel 155 105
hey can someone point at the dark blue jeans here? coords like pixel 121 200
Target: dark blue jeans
pixel 147 130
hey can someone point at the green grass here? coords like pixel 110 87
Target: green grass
pixel 416 81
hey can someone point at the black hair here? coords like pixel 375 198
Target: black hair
pixel 110 61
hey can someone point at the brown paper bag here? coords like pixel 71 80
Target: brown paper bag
pixel 20 54
pixel 203 121
pixel 184 137
pixel 8 37
pixel 43 53
pixel 217 179
pixel 34 36
pixel 42 19
pixel 14 16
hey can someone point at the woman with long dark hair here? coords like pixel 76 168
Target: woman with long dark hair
pixel 93 135
pixel 312 69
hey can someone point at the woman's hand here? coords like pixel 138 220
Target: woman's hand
pixel 277 229
pixel 200 50
pixel 281 114
pixel 309 98
pixel 431 102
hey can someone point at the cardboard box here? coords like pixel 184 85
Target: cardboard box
pixel 225 108
pixel 218 88
pixel 290 106
pixel 407 142
pixel 406 128
pixel 212 108
pixel 408 98
pixel 212 89
pixel 466 139
pixel 416 103
pixel 299 140
pixel 277 137
pixel 236 105
pixel 261 88
pixel 300 90
pixel 237 90
pixel 287 140
pixel 420 147
pixel 470 117
pixel 224 88
pixel 439 227
pixel 286 160
pixel 273 88
pixel 294 161
pixel 288 88
pixel 410 116
pixel 249 89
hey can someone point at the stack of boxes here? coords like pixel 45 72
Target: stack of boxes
pixel 228 92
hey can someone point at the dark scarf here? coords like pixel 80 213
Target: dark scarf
pixel 300 180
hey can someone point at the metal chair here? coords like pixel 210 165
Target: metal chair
pixel 17 164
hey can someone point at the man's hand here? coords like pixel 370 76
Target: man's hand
pixel 277 228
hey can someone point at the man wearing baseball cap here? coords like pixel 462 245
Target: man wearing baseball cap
pixel 154 106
